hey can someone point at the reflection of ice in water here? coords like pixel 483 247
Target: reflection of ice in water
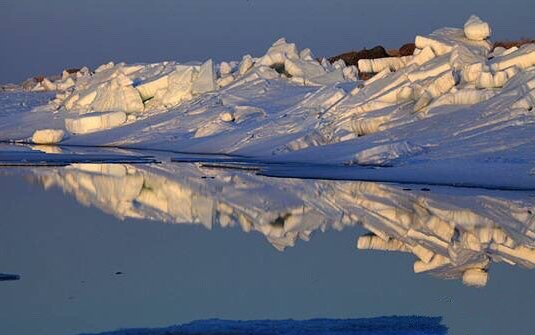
pixel 453 235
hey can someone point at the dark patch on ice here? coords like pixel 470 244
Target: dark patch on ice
pixel 6 277
pixel 393 325
pixel 137 81
pixel 280 220
pixel 231 166
pixel 281 69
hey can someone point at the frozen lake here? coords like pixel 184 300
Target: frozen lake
pixel 105 246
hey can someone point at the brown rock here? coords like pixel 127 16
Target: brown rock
pixel 38 79
pixel 407 49
pixel 365 75
pixel 510 44
pixel 393 52
pixel 352 57
pixel 71 71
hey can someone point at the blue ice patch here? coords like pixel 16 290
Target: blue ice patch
pixel 393 325
pixel 137 82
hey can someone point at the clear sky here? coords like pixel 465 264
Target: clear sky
pixel 44 37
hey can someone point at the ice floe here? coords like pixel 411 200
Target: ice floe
pixel 93 122
pixel 475 29
pixel 47 136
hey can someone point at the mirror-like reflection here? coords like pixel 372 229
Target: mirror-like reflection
pixel 454 233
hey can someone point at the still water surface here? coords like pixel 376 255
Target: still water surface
pixel 101 246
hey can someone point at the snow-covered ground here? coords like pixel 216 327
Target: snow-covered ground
pixel 456 106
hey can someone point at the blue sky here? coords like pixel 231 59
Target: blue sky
pixel 44 37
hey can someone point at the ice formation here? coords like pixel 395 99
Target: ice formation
pixel 93 122
pixel 454 98
pixel 145 88
pixel 47 136
pixel 475 29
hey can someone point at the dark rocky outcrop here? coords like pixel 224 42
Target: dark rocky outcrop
pixel 352 57
pixel 510 44
pixel 72 71
pixel 407 49
pixel 393 52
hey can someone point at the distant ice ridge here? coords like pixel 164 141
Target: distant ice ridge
pixel 454 233
pixel 455 97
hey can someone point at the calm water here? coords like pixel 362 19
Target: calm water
pixel 101 247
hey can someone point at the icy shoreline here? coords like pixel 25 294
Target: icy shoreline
pixel 502 176
pixel 455 111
